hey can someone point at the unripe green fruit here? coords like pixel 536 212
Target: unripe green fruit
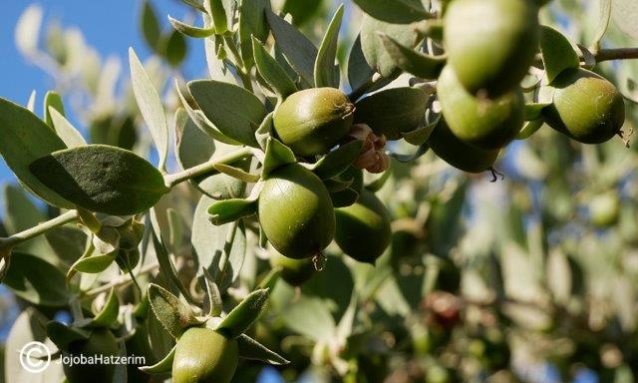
pixel 204 355
pixel 480 121
pixel 363 229
pixel 604 209
pixel 586 107
pixel 294 271
pixel 101 342
pixel 458 153
pixel 312 121
pixel 296 212
pixel 491 43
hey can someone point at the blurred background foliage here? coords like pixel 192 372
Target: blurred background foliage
pixel 532 278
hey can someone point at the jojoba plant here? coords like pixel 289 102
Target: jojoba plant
pixel 302 209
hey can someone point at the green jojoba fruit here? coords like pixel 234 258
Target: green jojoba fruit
pixel 459 153
pixel 203 355
pixel 586 107
pixel 604 209
pixel 491 43
pixel 295 212
pixel 363 229
pixel 483 122
pixel 101 342
pixel 294 271
pixel 312 121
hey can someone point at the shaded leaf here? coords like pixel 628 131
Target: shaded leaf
pixel 215 304
pixel 150 26
pixel 374 49
pixel 407 158
pixel 310 316
pixel 411 61
pixel 102 178
pixel 272 72
pixel 300 52
pixel 175 48
pixel 36 281
pixel 163 366
pixel 326 74
pixel 63 335
pixel 344 198
pixel 252 23
pixel 174 314
pixel 230 210
pixel 96 263
pixel 558 53
pixel 359 71
pixel 396 11
pixel 420 135
pixel 244 314
pixel 26 138
pixel 301 11
pixel 150 105
pixel 253 350
pixel 235 111
pixel 338 160
pixel 277 155
pixel 529 128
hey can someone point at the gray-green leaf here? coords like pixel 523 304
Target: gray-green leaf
pixel 174 314
pixel 36 281
pixel 253 350
pixel 272 72
pixel 244 314
pixel 395 11
pixel 326 73
pixel 411 61
pixel 558 53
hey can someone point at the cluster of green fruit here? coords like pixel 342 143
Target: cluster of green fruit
pixel 295 207
pixel 490 47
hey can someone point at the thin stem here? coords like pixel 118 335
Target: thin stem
pixel 207 167
pixel 39 229
pixel 616 54
pixel 121 280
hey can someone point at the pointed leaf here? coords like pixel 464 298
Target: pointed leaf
pixel 344 198
pixel 63 335
pixel 235 111
pixel 237 173
pixel 338 160
pixel 164 366
pixel 299 51
pixel 625 14
pixel 603 22
pixel 102 178
pixel 174 49
pixel 109 312
pixel 215 9
pixel 67 132
pixel 374 50
pixel 36 281
pixel 277 154
pixel 421 135
pixel 252 24
pixel 190 30
pixel 325 72
pixel 26 138
pixel 244 314
pixel 150 105
pixel 150 25
pixel 215 304
pixel 529 128
pixel 533 111
pixel 558 53
pixel 272 72
pixel 396 11
pixel 359 71
pixel 95 263
pixel 310 316
pixel 230 210
pixel 407 158
pixel 253 350
pixel 411 61
pixel 52 100
pixel 174 314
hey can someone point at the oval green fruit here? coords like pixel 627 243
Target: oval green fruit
pixel 586 107
pixel 604 209
pixel 491 43
pixel 363 229
pixel 483 122
pixel 294 271
pixel 204 355
pixel 296 212
pixel 101 342
pixel 459 153
pixel 312 121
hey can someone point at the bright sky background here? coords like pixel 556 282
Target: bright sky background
pixel 109 26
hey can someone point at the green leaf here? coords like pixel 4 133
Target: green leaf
pixel 272 72
pixel 95 263
pixel 300 52
pixel 235 111
pixel 150 104
pixel 220 249
pixel 277 155
pixel 164 366
pixel 68 243
pixel 244 314
pixel 174 48
pixel 26 138
pixel 150 26
pixel 301 11
pixel 359 71
pixel 533 111
pixel 36 281
pixel 396 11
pixel 338 160
pixel 67 132
pixel 253 350
pixel 215 304
pixel 529 128
pixel 411 61
pixel 407 158
pixel 190 30
pixel 343 198
pixel 420 136
pixel 52 100
pixel 63 335
pixel 309 316
pixel 109 312
pixel 558 53
pixel 393 111
pixel 215 9
pixel 326 74
pixel 625 14
pixel 374 50
pixel 102 178
pixel 230 210
pixel 603 22
pixel 175 315
pixel 252 24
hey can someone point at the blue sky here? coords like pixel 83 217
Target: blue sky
pixel 109 26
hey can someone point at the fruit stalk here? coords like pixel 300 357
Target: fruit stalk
pixel 205 168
